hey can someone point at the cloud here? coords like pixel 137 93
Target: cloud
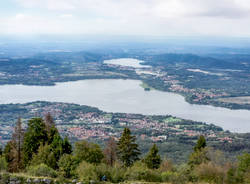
pixel 202 8
pixel 66 16
pixel 162 8
pixel 20 16
pixel 48 4
pixel 153 17
pixel 223 8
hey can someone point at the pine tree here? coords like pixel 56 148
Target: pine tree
pixel 1 150
pixel 52 146
pixel 57 146
pixel 67 148
pixel 201 143
pixel 50 154
pixel 54 137
pixel 200 153
pixel 153 159
pixel 35 135
pixel 128 151
pixel 110 151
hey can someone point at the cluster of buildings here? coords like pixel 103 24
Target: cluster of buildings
pixel 175 85
pixel 83 122
pixel 198 94
pixel 95 126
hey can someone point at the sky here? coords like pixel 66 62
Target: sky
pixel 126 17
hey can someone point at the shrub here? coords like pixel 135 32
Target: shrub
pixel 67 165
pixel 117 173
pixel 231 176
pixel 113 174
pixel 87 172
pixel 3 164
pixel 169 176
pixel 42 170
pixel 139 171
pixel 210 173
pixel 166 165
pixel 103 170
pixel 173 177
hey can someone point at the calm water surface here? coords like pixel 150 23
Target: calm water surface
pixel 135 63
pixel 126 96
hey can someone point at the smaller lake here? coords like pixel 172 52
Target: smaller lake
pixel 135 63
pixel 116 95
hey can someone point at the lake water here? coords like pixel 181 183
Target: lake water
pixel 135 63
pixel 126 96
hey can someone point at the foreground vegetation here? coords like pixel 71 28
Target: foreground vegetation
pixel 40 151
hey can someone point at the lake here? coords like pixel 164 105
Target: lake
pixel 116 95
pixel 135 63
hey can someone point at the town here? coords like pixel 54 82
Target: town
pixel 82 122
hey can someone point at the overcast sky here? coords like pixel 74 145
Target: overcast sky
pixel 126 17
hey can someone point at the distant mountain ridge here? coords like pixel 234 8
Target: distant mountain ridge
pixel 190 60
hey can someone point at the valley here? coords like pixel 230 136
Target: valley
pixel 164 99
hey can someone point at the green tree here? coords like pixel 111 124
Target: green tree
pixel 67 148
pixel 50 153
pixel 244 162
pixel 201 143
pixel 153 159
pixel 198 157
pixel 1 150
pixel 200 153
pixel 128 151
pixel 35 135
pixel 57 146
pixel 67 165
pixel 44 156
pixel 89 152
pixel 243 170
